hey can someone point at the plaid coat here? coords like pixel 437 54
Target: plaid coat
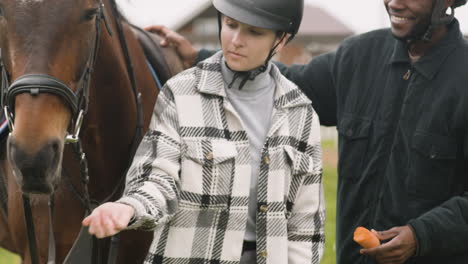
pixel 189 181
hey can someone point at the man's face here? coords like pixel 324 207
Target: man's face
pixel 409 18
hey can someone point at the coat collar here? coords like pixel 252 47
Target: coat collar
pixel 429 64
pixel 209 80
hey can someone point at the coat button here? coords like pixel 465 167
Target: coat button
pixel 433 153
pixel 263 254
pixel 407 75
pixel 266 160
pixel 209 156
pixel 263 208
pixel 349 132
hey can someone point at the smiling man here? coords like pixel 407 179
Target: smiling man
pixel 399 98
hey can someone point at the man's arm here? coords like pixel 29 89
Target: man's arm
pixel 316 80
pixel 184 48
pixel 443 230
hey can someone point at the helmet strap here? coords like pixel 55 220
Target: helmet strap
pixel 251 74
pixel 438 18
pixel 220 25
pixel 245 75
pixel 273 50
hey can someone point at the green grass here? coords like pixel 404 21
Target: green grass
pixel 329 181
pixel 330 185
pixel 8 258
pixel 329 144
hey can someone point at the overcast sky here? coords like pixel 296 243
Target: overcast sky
pixel 361 15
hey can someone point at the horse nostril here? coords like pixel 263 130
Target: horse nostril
pixel 46 157
pixel 55 146
pixel 53 150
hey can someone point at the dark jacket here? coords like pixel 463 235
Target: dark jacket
pixel 403 132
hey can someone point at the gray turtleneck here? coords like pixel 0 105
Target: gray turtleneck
pixel 254 104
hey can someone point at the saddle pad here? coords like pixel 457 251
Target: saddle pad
pixel 3 195
pixel 3 127
pixel 3 136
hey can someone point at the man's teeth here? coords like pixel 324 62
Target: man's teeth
pixel 396 18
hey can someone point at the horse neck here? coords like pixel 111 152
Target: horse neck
pixel 111 120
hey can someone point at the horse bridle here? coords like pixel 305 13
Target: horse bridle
pixel 77 101
pixel 36 84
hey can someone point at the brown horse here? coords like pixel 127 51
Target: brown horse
pixel 51 51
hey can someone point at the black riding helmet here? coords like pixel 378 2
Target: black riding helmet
pixel 282 16
pixel 439 17
pixel 279 15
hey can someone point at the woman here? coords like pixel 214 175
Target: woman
pixel 230 170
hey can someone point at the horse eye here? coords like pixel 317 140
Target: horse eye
pixel 1 11
pixel 90 14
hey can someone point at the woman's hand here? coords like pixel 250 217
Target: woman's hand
pixel 108 219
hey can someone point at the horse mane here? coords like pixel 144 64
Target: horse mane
pixel 116 10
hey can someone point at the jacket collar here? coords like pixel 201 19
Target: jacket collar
pixel 209 80
pixel 208 76
pixel 429 64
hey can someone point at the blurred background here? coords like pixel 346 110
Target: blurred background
pixel 326 23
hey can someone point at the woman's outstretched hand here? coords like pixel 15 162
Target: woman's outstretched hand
pixel 108 219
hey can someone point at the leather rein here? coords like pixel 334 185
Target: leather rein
pixel 78 102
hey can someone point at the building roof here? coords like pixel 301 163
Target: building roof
pixel 199 9
pixel 176 13
pixel 317 21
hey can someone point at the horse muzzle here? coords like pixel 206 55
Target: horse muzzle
pixel 37 172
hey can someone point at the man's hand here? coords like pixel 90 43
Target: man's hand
pixel 184 48
pixel 108 219
pixel 402 246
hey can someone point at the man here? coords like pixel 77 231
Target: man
pixel 399 99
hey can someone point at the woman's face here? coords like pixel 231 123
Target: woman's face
pixel 246 47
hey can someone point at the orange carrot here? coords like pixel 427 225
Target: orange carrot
pixel 365 238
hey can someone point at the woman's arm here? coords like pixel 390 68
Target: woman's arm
pixel 151 194
pixel 306 235
pixel 152 186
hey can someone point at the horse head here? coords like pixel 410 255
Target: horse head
pixel 52 75
pixel 48 59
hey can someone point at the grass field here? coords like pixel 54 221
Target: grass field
pixel 329 180
pixel 7 258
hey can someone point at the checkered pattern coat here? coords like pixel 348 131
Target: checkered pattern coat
pixel 189 181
